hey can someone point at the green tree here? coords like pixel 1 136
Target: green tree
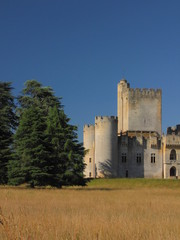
pixel 46 148
pixel 34 94
pixel 31 150
pixel 8 122
pixel 67 152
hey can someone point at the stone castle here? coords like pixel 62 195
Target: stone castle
pixel 131 144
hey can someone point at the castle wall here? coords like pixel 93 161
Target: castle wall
pixel 145 110
pixel 138 109
pixel 173 130
pixel 123 106
pixel 139 145
pixel 131 145
pixel 89 145
pixel 171 142
pixel 106 146
pixel 130 168
pixel 153 169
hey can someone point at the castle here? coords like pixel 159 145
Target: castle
pixel 131 144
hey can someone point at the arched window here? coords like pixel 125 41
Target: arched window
pixel 172 172
pixel 173 154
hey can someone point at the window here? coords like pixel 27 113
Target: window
pixel 172 172
pixel 123 157
pixel 173 154
pixel 153 157
pixel 89 174
pixel 138 158
pixel 89 160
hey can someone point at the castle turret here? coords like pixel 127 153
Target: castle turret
pixel 174 130
pixel 138 109
pixel 123 106
pixel 89 138
pixel 106 146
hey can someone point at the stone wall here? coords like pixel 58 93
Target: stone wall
pixel 123 106
pixel 89 145
pixel 139 109
pixel 139 148
pixel 131 145
pixel 106 146
pixel 171 143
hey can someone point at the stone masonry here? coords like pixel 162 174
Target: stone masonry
pixel 132 144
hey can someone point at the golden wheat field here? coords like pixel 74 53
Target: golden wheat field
pixel 114 209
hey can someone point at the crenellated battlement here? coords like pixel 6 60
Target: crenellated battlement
pixel 131 144
pixel 139 108
pixel 100 118
pixel 174 130
pixel 124 83
pixel 145 92
pixel 88 126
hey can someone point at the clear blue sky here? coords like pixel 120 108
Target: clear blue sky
pixel 82 48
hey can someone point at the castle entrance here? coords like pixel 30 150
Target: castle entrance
pixel 172 172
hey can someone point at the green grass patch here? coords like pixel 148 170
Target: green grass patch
pixel 115 184
pixel 131 183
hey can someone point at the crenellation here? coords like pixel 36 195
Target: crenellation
pixel 158 91
pixel 124 83
pixel 139 109
pixel 174 130
pixel 145 92
pixel 131 145
pixel 100 118
pixel 106 145
pixel 88 126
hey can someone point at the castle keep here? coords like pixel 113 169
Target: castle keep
pixel 132 144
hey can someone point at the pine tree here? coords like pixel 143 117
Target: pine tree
pixel 34 94
pixel 67 152
pixel 31 150
pixel 55 138
pixel 7 126
pixel 46 148
pixel 74 152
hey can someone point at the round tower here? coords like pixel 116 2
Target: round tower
pixel 106 146
pixel 88 140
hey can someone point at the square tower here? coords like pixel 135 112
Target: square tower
pixel 139 109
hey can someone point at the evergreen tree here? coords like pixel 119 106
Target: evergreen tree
pixel 67 152
pixel 46 148
pixel 31 150
pixel 74 152
pixel 34 94
pixel 7 125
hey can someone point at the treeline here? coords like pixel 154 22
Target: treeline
pixel 38 145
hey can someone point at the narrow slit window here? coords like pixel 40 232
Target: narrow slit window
pixel 89 160
pixel 153 158
pixel 173 154
pixel 124 157
pixel 138 158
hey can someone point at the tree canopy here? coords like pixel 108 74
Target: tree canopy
pixel 8 122
pixel 45 150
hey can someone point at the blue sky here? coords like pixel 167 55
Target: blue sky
pixel 82 48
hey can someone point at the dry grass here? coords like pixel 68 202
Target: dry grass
pixel 136 213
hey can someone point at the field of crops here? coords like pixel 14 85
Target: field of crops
pixel 105 209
